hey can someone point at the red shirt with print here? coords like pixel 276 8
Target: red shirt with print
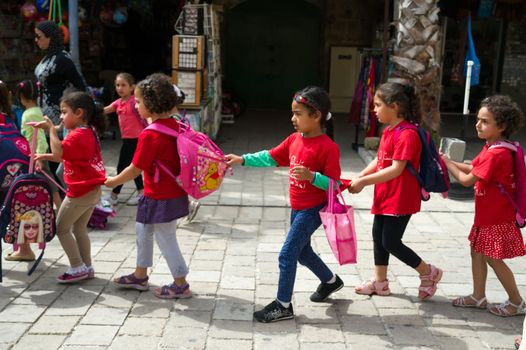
pixel 493 166
pixel 153 145
pixel 401 195
pixel 318 154
pixel 83 166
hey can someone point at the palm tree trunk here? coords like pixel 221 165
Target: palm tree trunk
pixel 417 56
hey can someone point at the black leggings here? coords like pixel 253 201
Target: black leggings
pixel 125 158
pixel 387 237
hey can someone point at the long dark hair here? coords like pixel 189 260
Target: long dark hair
pixel 314 98
pixel 405 97
pixel 93 110
pixel 6 103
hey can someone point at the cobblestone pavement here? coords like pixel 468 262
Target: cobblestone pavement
pixel 232 248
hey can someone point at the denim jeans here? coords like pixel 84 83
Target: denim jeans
pixel 297 248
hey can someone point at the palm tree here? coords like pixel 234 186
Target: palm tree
pixel 416 55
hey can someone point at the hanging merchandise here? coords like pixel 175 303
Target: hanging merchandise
pixel 55 15
pixel 120 15
pixel 106 15
pixel 43 5
pixel 486 8
pixel 28 11
pixel 472 56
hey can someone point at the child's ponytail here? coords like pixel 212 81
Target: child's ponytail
pixel 28 89
pixel 405 97
pixel 93 110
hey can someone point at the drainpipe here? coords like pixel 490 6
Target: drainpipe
pixel 73 25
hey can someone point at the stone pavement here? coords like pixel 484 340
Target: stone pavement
pixel 232 248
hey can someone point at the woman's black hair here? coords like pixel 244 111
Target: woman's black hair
pixel 405 97
pixel 93 110
pixel 506 113
pixel 158 93
pixel 317 99
pixel 28 89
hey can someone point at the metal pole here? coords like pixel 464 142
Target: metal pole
pixel 73 25
pixel 385 39
pixel 465 110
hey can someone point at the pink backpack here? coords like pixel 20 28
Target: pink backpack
pixel 519 202
pixel 203 164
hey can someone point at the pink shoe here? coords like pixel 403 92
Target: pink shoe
pixel 75 277
pixel 373 287
pixel 428 283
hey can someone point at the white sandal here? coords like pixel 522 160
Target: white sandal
pixel 502 309
pixel 481 303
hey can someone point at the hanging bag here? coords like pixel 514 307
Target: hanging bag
pixel 472 56
pixel 338 223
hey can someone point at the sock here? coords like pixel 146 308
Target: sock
pixel 284 304
pixel 76 270
pixel 332 280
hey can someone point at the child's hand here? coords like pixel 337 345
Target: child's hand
pixel 444 157
pixel 299 172
pixel 233 159
pixel 356 186
pixel 110 182
pixel 46 124
pixel 43 156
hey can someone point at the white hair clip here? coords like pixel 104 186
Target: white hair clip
pixel 329 116
pixel 178 91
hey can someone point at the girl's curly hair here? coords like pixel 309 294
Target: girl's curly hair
pixel 506 113
pixel 158 93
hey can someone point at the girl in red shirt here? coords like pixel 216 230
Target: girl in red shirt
pixel 312 158
pixel 83 174
pixel 163 201
pixel 494 235
pixel 396 190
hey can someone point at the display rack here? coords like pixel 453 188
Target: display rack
pixel 201 81
pixel 18 52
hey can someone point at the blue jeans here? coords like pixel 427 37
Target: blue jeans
pixel 297 248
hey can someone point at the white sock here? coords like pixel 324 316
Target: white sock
pixel 332 280
pixel 78 269
pixel 284 304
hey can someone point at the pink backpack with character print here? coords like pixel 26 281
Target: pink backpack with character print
pixel 203 164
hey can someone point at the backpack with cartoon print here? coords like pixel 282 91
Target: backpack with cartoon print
pixel 203 164
pixel 14 154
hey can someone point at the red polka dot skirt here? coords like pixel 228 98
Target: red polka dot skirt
pixel 501 241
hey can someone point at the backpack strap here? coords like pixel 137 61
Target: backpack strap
pixel 408 165
pixel 163 129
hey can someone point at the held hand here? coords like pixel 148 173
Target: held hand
pixel 356 186
pixel 110 182
pixel 299 172
pixel 233 159
pixel 43 156
pixel 39 164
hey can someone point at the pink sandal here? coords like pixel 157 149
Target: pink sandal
pixel 428 283
pixel 373 287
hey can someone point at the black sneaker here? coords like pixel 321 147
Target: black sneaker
pixel 325 289
pixel 274 312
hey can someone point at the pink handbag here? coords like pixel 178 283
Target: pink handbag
pixel 338 223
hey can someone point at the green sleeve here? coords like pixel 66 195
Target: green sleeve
pixel 34 114
pixel 321 181
pixel 259 159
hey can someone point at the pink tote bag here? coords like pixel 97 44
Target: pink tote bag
pixel 338 223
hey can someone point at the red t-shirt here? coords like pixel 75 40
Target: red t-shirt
pixel 401 195
pixel 318 154
pixel 153 145
pixel 129 120
pixel 83 166
pixel 493 166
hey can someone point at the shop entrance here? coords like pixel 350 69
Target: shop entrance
pixel 272 50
